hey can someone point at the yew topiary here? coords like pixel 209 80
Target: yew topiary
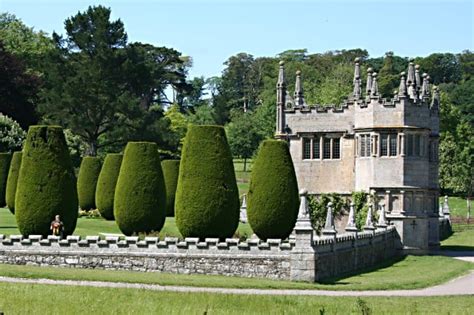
pixel 87 182
pixel 46 183
pixel 272 200
pixel 207 198
pixel 12 180
pixel 170 173
pixel 5 159
pixel 104 195
pixel 140 194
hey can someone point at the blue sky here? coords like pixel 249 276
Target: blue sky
pixel 212 31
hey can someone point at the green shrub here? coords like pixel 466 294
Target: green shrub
pixel 361 202
pixel 5 159
pixel 207 198
pixel 11 134
pixel 13 180
pixel 318 208
pixel 104 195
pixel 87 182
pixel 46 183
pixel 272 200
pixel 140 194
pixel 170 173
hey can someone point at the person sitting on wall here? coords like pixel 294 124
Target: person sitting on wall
pixel 57 226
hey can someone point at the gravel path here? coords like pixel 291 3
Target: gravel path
pixel 460 286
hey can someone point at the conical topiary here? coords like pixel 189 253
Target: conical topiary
pixel 104 195
pixel 46 183
pixel 272 200
pixel 207 198
pixel 5 159
pixel 87 182
pixel 170 173
pixel 140 194
pixel 13 180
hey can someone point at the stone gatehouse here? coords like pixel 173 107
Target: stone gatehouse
pixel 388 148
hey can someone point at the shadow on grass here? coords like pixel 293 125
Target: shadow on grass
pixel 339 280
pixel 458 248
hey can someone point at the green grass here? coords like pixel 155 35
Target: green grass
pixel 461 240
pixel 49 299
pixel 458 206
pixel 95 226
pixel 409 272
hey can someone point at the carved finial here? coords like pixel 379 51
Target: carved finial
pixel 375 87
pixel 368 87
pixel 411 91
pixel 299 97
pixel 402 89
pixel 303 222
pixel 356 69
pixel 424 91
pixel 357 93
pixel 446 210
pixel 329 224
pixel 369 225
pixel 351 224
pixel 435 100
pixel 382 223
pixel 417 77
pixel 281 74
pixel 411 72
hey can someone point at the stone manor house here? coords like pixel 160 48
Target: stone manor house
pixel 388 148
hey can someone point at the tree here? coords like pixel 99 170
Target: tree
pixel 87 182
pixel 442 68
pixel 12 180
pixel 18 89
pixel 11 135
pixel 244 138
pixel 336 86
pixel 106 183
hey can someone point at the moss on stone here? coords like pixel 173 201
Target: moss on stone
pixel 272 203
pixel 207 199
pixel 46 183
pixel 140 194
pixel 12 181
pixel 104 195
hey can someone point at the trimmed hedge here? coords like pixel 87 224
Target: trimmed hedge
pixel 13 180
pixel 140 194
pixel 87 182
pixel 46 183
pixel 272 200
pixel 170 173
pixel 207 198
pixel 5 159
pixel 104 194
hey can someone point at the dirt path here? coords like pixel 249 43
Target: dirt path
pixel 461 286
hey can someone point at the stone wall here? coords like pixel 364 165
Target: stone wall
pixel 272 259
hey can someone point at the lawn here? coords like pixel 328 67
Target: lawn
pixel 47 299
pixel 462 238
pixel 409 272
pixel 98 226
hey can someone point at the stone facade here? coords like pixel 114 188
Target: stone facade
pixel 388 148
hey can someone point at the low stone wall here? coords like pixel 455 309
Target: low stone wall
pixel 301 258
pixel 445 228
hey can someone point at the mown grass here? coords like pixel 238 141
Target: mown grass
pixel 457 206
pixel 461 240
pixel 49 299
pixel 409 272
pixel 96 226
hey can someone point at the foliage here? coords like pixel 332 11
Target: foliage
pixel 12 181
pixel 46 183
pixel 76 145
pixel 361 202
pixel 11 134
pixel 87 182
pixel 18 89
pixel 336 86
pixel 140 193
pixel 207 199
pixel 272 202
pixel 178 123
pixel 318 208
pixel 104 194
pixel 5 159
pixel 170 174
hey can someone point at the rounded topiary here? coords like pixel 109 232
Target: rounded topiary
pixel 13 180
pixel 140 194
pixel 46 183
pixel 87 182
pixel 272 200
pixel 104 194
pixel 207 198
pixel 5 159
pixel 170 173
